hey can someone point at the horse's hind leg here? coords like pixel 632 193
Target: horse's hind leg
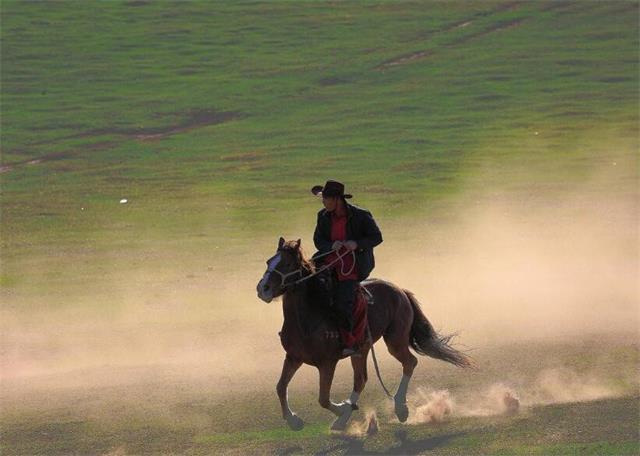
pixel 359 364
pixel 399 349
pixel 289 368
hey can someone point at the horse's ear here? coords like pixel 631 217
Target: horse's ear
pixel 280 243
pixel 297 246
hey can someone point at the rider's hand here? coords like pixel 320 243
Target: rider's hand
pixel 336 245
pixel 351 245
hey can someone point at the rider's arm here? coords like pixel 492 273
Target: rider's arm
pixel 320 240
pixel 372 235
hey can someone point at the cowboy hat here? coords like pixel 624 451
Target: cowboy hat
pixel 330 188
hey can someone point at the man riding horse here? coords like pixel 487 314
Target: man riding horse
pixel 344 228
pixel 396 316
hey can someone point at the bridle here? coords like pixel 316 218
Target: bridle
pixel 285 276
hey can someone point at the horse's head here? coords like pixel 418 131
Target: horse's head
pixel 283 269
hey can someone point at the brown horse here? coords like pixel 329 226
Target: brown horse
pixel 308 333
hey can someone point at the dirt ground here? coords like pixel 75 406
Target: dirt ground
pixel 542 292
pixel 568 393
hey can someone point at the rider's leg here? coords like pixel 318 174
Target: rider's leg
pixel 344 301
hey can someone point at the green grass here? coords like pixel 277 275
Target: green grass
pixel 156 409
pixel 558 429
pixel 260 437
pixel 520 98
pixel 595 448
pixel 532 96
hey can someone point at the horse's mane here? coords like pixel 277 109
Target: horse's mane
pixel 305 263
pixel 316 292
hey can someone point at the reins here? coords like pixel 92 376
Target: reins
pixel 328 265
pixel 340 257
pixel 375 363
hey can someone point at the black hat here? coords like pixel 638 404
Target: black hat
pixel 331 188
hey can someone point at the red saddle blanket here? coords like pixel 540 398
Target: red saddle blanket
pixel 357 336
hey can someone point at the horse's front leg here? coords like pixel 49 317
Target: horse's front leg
pixel 289 368
pixel 342 410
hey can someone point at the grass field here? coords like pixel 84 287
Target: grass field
pixel 495 142
pixel 159 409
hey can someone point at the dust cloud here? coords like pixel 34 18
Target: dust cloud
pixel 523 266
pixel 431 407
pixel 553 386
pixel 368 426
pixel 496 264
pixel 549 386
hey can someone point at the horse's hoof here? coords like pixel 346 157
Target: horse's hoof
pixel 345 409
pixel 295 422
pixel 341 422
pixel 402 412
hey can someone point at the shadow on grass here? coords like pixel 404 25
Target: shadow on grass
pixel 404 445
pixel 291 450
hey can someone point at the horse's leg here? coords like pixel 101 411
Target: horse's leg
pixel 342 410
pixel 399 349
pixel 359 364
pixel 289 368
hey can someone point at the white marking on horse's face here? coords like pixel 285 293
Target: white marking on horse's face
pixel 272 263
pixel 265 290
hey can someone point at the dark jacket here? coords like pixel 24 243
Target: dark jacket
pixel 361 227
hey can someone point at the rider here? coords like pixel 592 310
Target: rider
pixel 344 227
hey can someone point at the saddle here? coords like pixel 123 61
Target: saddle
pixel 325 286
pixel 358 335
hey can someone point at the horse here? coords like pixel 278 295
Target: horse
pixel 308 333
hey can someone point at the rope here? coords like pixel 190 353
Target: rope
pixel 375 364
pixel 326 266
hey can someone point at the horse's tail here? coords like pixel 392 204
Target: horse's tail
pixel 426 341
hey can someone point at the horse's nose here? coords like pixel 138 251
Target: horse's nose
pixel 266 287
